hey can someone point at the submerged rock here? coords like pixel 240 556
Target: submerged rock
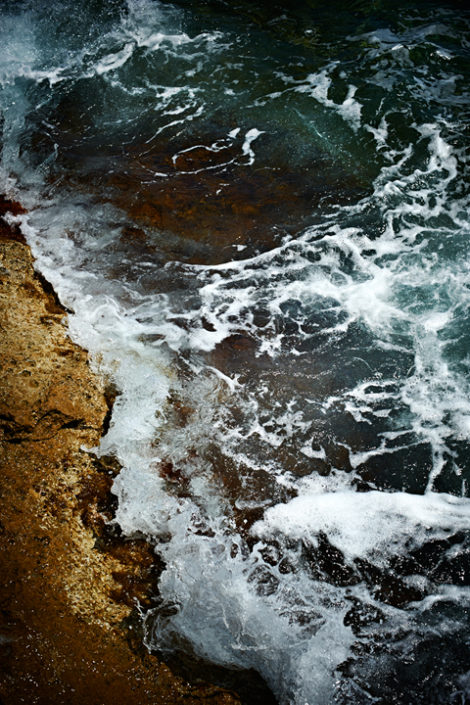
pixel 70 590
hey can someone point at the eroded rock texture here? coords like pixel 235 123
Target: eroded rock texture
pixel 68 589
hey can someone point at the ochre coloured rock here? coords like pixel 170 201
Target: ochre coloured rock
pixel 67 590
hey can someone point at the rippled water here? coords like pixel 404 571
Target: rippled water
pixel 259 217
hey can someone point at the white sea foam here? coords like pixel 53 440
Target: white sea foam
pixel 367 525
pixel 250 137
pixel 342 286
pixel 318 85
pixel 114 61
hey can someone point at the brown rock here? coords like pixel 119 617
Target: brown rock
pixel 67 590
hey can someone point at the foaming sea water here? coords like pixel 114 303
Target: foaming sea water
pixel 258 218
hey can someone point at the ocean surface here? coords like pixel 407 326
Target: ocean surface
pixel 257 214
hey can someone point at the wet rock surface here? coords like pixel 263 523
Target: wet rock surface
pixel 199 198
pixel 70 589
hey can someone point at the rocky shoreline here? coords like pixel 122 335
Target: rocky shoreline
pixel 69 587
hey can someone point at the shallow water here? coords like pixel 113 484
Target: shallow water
pixel 259 219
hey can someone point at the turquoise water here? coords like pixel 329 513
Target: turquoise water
pixel 259 218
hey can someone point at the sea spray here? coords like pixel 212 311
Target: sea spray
pixel 260 226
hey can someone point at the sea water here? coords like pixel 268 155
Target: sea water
pixel 258 217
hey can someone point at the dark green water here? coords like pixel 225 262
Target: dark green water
pixel 259 216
